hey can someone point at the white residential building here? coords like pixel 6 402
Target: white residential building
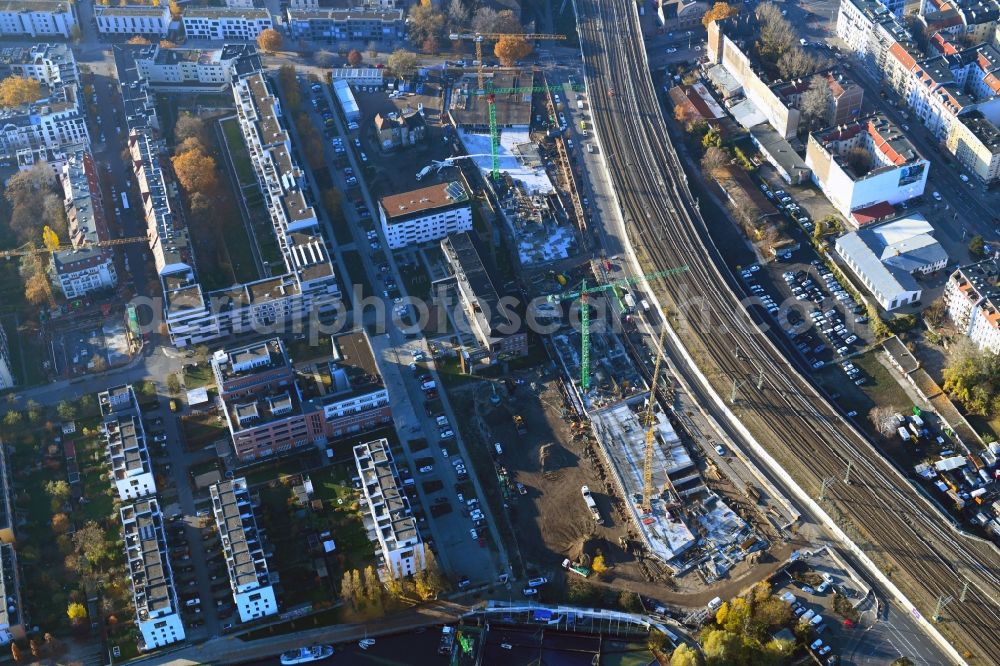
pixel 252 591
pixel 11 614
pixel 50 64
pixel 425 215
pixel 87 268
pixel 133 19
pixel 37 18
pixel 125 443
pixel 972 299
pixel 865 163
pixel 6 372
pixel 48 124
pixel 195 70
pixel 157 610
pixel 389 520
pixel 241 4
pixel 225 23
pixel 886 256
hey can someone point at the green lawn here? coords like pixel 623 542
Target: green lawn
pixel 26 354
pixel 238 152
pixel 203 428
pixel 198 376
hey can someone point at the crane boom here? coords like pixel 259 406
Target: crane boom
pixel 555 298
pixel 650 423
pixel 24 251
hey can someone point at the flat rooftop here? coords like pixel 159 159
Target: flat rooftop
pixel 388 507
pixel 462 255
pixel 249 359
pixel 237 527
pixel 424 200
pixel 622 437
pixel 145 547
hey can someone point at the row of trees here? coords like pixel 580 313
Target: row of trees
pixel 362 590
pixel 741 633
pixel 430 27
pixel 195 167
pixel 779 43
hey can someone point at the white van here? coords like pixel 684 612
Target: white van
pixel 714 604
pixel 590 148
pixel 498 448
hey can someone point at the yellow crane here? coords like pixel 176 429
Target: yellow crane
pixel 479 38
pixel 51 247
pixel 650 423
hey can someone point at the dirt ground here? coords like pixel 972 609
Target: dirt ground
pixel 551 521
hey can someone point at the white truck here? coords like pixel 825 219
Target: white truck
pixel 592 505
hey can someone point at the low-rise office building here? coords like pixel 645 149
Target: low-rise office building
pixel 272 406
pixel 340 25
pixel 157 612
pixel 125 443
pixel 972 301
pixel 865 163
pixel 886 256
pixel 245 561
pixel 359 76
pixel 37 18
pixel 225 22
pixel 11 614
pixel 133 19
pixel 494 323
pixel 389 520
pixel 425 215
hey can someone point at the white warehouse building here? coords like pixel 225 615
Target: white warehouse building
pixel 349 105
pixel 886 256
pixel 248 575
pixel 425 215
pixel 865 163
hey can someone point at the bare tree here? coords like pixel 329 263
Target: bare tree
pixel 458 15
pixel 884 420
pixel 714 158
pixel 816 100
pixel 776 33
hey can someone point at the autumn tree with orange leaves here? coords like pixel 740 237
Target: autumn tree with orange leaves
pixel 509 49
pixel 719 11
pixel 269 40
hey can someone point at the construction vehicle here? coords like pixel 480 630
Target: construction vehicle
pixel 478 38
pixel 579 570
pixel 519 425
pixel 583 293
pixel 591 505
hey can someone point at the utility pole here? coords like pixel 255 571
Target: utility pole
pixel 760 380
pixel 827 482
pixel 847 474
pixel 732 394
pixel 942 601
pixel 965 588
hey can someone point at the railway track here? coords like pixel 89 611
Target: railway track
pixel 894 525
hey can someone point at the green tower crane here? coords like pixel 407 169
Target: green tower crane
pixel 583 293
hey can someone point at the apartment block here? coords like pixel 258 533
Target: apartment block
pixel 225 22
pixel 329 25
pixel 6 372
pixel 425 215
pixel 7 516
pixel 972 301
pixel 272 405
pixel 495 325
pixel 241 545
pixel 389 520
pixel 176 70
pixel 306 293
pixel 37 18
pixel 50 64
pixel 11 616
pixel 50 123
pixel 157 611
pixel 125 443
pixel 133 19
pixel 975 143
pixel 87 268
pixel 865 163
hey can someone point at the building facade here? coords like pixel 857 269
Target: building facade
pixel 50 64
pixel 6 373
pixel 241 545
pixel 125 443
pixel 87 268
pixel 195 70
pixel 272 406
pixel 389 511
pixel 157 610
pixel 425 215
pixel 11 614
pixel 37 18
pixel 51 123
pixel 491 320
pixel 972 301
pixel 133 20
pixel 885 257
pixel 225 23
pixel 338 25
pixel 865 163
